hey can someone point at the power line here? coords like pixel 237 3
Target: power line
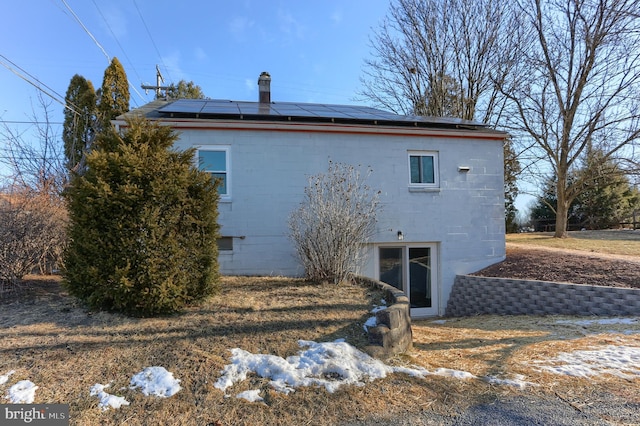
pixel 55 96
pixel 29 122
pixel 123 51
pixel 86 30
pixel 152 41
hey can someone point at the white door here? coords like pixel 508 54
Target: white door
pixel 412 269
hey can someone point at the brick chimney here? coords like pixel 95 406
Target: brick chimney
pixel 264 88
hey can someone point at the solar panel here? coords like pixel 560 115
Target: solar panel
pixel 217 108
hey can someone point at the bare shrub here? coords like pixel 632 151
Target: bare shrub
pixel 32 211
pixel 336 217
pixel 32 233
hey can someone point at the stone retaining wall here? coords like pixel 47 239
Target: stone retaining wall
pixel 472 295
pixel 393 333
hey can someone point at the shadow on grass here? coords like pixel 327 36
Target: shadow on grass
pixel 50 320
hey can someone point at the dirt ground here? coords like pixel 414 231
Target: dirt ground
pixel 558 265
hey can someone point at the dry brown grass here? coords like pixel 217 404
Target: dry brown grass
pixel 49 339
pixel 621 242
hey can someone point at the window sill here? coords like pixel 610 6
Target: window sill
pixel 423 189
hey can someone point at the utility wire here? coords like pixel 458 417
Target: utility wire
pixel 87 30
pixel 29 122
pixel 99 45
pixel 123 51
pixel 152 41
pixel 55 95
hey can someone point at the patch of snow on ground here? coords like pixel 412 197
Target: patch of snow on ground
pixel 251 395
pixel 329 364
pixel 518 381
pixel 620 361
pixel 370 323
pixel 456 374
pixel 602 321
pixel 23 392
pixel 439 322
pixel 5 377
pixel 107 400
pixel 378 309
pixel 156 381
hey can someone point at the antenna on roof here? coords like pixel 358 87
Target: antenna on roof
pixel 157 87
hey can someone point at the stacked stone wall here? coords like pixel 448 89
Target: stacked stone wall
pixel 473 295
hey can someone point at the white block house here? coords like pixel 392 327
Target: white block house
pixel 442 193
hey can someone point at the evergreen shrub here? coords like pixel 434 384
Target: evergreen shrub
pixel 143 225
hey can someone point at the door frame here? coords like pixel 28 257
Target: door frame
pixel 435 273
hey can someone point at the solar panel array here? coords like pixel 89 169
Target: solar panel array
pixel 213 108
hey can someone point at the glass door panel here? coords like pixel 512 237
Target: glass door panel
pixel 420 277
pixel 391 266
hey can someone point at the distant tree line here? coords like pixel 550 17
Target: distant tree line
pixel 609 201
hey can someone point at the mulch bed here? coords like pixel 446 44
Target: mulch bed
pixel 545 265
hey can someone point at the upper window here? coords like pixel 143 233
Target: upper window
pixel 423 169
pixel 215 160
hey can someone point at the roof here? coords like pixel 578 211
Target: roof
pixel 292 112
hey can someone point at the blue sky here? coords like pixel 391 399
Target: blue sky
pixel 314 50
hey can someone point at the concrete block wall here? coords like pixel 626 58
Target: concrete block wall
pixel 472 295
pixel 393 333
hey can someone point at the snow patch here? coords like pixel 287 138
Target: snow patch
pixel 23 392
pixel 5 377
pixel 107 400
pixel 156 381
pixel 329 364
pixel 456 374
pixel 601 321
pixel 251 395
pixel 620 361
pixel 370 323
pixel 378 309
pixel 518 381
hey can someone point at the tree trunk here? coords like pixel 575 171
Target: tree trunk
pixel 562 212
pixel 562 207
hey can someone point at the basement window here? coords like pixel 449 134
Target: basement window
pixel 225 244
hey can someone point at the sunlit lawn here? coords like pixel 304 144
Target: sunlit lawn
pixel 625 242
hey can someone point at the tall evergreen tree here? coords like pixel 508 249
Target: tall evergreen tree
pixel 79 120
pixel 608 200
pixel 609 197
pixel 143 225
pixel 511 171
pixel 113 97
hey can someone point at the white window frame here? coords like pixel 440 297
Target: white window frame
pixel 227 157
pixel 436 169
pixel 435 274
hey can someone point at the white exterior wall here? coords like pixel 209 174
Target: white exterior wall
pixel 269 170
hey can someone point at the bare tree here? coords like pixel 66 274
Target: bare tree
pixel 336 218
pixel 34 161
pixel 580 90
pixel 450 58
pixel 443 58
pixel 32 210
